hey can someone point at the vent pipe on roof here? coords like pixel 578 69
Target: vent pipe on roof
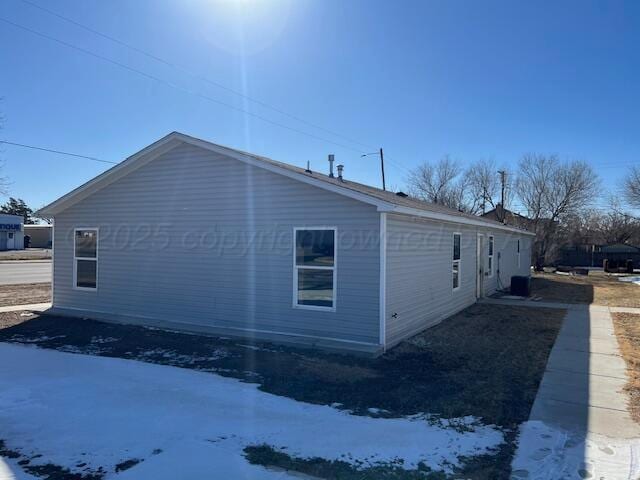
pixel 308 170
pixel 332 159
pixel 340 169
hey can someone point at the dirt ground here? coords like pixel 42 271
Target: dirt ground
pixel 627 328
pixel 27 254
pixel 24 294
pixel 486 361
pixel 597 288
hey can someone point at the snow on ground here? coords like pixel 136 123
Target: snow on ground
pixel 545 452
pixel 635 279
pixel 78 409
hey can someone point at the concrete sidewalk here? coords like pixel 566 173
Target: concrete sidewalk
pixel 579 426
pixel 34 307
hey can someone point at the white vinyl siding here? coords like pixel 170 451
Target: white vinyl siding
pixel 419 271
pixel 199 239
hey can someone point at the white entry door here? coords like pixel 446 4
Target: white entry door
pixel 480 266
pixel 11 241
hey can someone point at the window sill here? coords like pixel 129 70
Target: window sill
pixel 315 308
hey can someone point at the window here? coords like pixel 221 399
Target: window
pixel 490 265
pixel 518 251
pixel 456 261
pixel 314 276
pixel 85 259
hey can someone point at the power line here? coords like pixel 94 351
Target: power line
pixel 59 152
pixel 192 74
pixel 173 85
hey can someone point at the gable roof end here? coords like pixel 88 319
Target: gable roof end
pixel 385 201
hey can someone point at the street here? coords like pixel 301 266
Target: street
pixel 25 272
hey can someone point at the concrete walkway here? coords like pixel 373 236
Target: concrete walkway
pixel 34 307
pixel 579 426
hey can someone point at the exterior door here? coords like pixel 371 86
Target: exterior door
pixel 11 238
pixel 480 266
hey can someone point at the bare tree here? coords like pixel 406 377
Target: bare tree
pixel 632 187
pixel 483 186
pixel 446 183
pixel 436 183
pixel 551 191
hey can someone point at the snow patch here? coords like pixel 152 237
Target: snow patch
pixel 546 452
pixel 98 411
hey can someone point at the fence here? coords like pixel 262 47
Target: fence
pixel 574 257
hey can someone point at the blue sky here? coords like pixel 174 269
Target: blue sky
pixel 422 79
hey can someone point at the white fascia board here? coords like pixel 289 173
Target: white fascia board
pixel 453 219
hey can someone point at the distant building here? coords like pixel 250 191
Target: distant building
pixel 506 216
pixel 11 232
pixel 39 236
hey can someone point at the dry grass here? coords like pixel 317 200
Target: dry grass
pixel 627 328
pixel 28 254
pixel 596 288
pixel 486 361
pixel 24 294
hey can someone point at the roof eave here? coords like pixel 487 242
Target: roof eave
pixel 453 219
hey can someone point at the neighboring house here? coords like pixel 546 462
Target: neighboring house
pixel 11 234
pixel 39 235
pixel 506 216
pixel 190 235
pixel 545 247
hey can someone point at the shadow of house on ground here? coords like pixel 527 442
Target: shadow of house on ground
pixel 556 288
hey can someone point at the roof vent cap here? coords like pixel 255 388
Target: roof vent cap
pixel 401 194
pixel 340 170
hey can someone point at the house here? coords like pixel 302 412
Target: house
pixel 506 216
pixel 190 235
pixel 11 232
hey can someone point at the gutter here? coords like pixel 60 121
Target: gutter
pixel 452 219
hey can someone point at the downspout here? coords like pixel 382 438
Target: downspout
pixel 383 281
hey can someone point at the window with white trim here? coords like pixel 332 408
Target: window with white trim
pixel 85 258
pixel 490 258
pixel 455 271
pixel 518 250
pixel 314 282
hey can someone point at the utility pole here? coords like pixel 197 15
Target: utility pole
pixel 384 187
pixel 503 179
pixel 381 153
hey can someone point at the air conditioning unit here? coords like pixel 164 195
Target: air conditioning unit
pixel 520 286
